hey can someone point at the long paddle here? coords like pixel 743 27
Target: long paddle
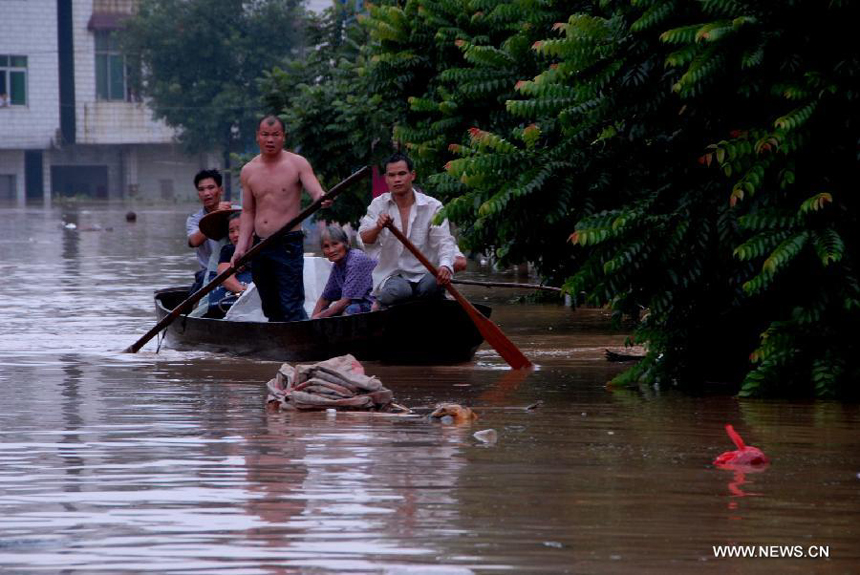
pixel 249 255
pixel 491 332
pixel 507 285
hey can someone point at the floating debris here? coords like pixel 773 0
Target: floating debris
pixel 632 353
pixel 338 383
pixel 452 413
pixel 487 436
pixel 744 456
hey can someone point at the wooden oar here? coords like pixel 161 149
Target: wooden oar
pixel 186 305
pixel 507 285
pixel 491 332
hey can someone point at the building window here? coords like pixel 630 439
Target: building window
pixel 13 80
pixel 8 191
pixel 110 68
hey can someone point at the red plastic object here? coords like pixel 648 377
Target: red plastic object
pixel 744 456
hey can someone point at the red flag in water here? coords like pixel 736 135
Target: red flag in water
pixel 744 456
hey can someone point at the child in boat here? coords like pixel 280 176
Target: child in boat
pixel 236 283
pixel 351 280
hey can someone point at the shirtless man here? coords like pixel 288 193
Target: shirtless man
pixel 272 188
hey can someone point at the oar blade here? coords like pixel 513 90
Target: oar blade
pixel 491 332
pixel 494 336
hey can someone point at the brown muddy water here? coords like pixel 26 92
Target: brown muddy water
pixel 167 462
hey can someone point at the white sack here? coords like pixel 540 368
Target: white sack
pixel 249 308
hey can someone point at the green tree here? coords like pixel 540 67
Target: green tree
pixel 197 61
pixel 326 103
pixel 694 160
pixel 455 63
pixel 450 65
pixel 790 161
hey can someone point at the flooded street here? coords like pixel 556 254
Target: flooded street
pixel 167 462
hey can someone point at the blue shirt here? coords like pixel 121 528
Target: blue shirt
pixel 351 278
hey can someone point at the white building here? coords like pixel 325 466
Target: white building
pixel 69 124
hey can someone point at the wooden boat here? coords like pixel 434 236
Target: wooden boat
pixel 417 332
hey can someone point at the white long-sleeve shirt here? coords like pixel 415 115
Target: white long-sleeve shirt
pixel 435 242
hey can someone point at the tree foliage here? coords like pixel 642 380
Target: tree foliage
pixel 197 62
pixel 455 63
pixel 331 115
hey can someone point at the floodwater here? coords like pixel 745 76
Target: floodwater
pixel 167 462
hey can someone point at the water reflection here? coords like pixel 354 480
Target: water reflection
pixel 739 478
pixel 72 463
pixel 504 388
pixel 275 479
pixel 356 490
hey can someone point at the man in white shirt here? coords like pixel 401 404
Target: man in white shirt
pixel 399 276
